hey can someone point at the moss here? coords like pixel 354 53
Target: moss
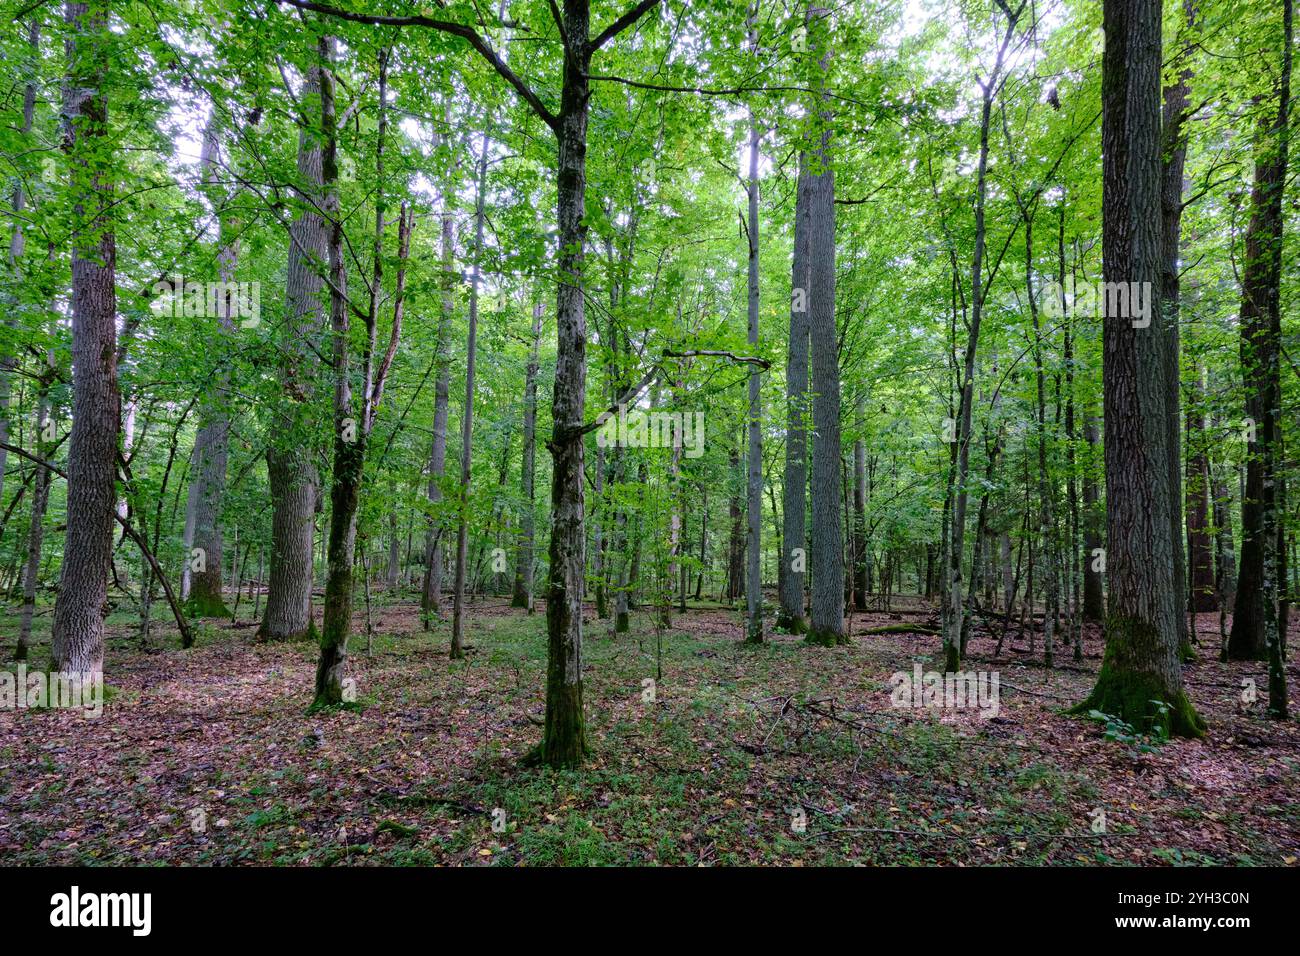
pixel 791 624
pixel 825 637
pixel 564 739
pixel 902 629
pixel 1130 694
pixel 200 604
pixel 951 659
pixel 399 829
pixel 621 622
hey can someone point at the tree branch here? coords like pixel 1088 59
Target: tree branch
pixel 466 33
pixel 623 22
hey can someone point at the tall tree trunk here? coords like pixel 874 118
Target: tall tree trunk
pixel 467 416
pixel 860 511
pixel 1174 155
pixel 826 624
pixel 40 500
pixel 1255 617
pixel 794 536
pixel 352 423
pixel 290 463
pixel 953 616
pixel 564 740
pixel 1140 680
pixel 1094 600
pixel 78 630
pixel 523 594
pixel 754 464
pixel 1046 516
pixel 431 600
pixel 1200 557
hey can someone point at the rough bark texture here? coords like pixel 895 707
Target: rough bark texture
pixel 290 465
pixel 564 740
pixel 826 624
pixel 1141 664
pixel 754 457
pixel 78 630
pixel 795 493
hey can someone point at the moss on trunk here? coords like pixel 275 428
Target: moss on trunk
pixel 202 604
pixel 791 624
pixel 826 637
pixel 1130 689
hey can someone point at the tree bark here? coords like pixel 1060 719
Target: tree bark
pixel 431 600
pixel 826 624
pixel 564 740
pixel 795 491
pixel 290 463
pixel 467 415
pixel 78 630
pixel 523 593
pixel 1140 679
pixel 754 457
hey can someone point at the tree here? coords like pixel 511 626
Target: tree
pixel 1140 680
pixel 826 624
pixel 78 631
pixel 795 487
pixel 290 463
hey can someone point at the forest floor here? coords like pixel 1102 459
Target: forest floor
pixel 738 744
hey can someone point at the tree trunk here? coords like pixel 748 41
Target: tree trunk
pixel 290 464
pixel 860 513
pixel 564 741
pixel 795 492
pixel 1141 680
pixel 431 600
pixel 467 416
pixel 1174 155
pixel 754 463
pixel 1094 600
pixel 1255 615
pixel 826 624
pixel 78 630
pixel 40 500
pixel 523 594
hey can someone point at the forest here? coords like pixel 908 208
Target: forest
pixel 649 432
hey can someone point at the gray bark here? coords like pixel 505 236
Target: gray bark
pixel 827 558
pixel 291 469
pixel 78 631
